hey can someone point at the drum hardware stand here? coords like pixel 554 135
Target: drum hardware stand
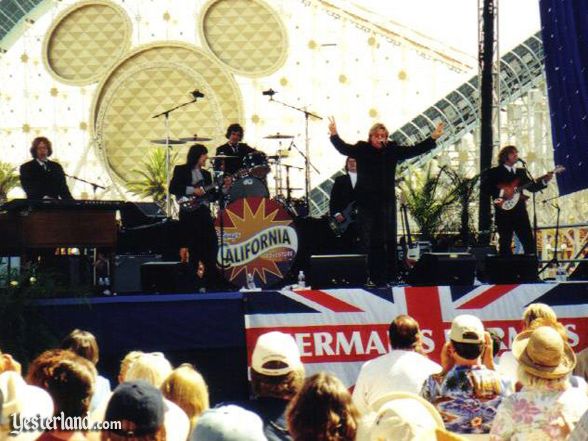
pixel 306 155
pixel 195 94
pixel 93 184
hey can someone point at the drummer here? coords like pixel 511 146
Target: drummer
pixel 233 147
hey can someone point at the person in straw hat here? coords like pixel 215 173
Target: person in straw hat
pixel 546 408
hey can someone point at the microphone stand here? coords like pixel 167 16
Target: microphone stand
pixel 168 146
pixel 305 155
pixel 93 184
pixel 530 176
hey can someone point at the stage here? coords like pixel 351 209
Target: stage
pixel 336 329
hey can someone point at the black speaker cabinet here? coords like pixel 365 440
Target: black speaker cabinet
pixel 135 214
pixel 127 272
pixel 338 270
pixel 519 268
pixel 434 269
pixel 168 278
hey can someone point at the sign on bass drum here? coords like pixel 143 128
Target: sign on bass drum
pixel 259 239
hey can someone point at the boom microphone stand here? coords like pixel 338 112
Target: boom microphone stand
pixel 195 94
pixel 93 184
pixel 306 155
pixel 554 260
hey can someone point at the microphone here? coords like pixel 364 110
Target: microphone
pixel 522 162
pixel 197 94
pixel 269 92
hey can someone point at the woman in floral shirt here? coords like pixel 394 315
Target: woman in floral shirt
pixel 546 408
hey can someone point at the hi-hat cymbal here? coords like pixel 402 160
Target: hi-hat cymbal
pixel 165 141
pixel 195 138
pixel 222 157
pixel 278 136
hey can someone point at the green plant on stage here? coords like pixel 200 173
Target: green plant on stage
pixel 151 183
pixel 24 333
pixel 428 200
pixel 465 190
pixel 9 179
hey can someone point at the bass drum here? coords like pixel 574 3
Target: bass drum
pixel 247 187
pixel 259 239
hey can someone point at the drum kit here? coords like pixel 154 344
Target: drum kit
pixel 251 179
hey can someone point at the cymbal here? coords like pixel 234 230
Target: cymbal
pixel 165 141
pixel 278 136
pixel 195 138
pixel 291 188
pixel 222 157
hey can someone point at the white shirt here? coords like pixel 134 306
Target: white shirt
pixel 353 177
pixel 397 371
pixel 510 168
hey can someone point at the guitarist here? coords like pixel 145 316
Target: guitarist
pixel 198 239
pixel 342 195
pixel 501 183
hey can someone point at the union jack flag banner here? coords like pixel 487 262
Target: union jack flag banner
pixel 338 330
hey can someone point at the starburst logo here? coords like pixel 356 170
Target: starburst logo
pixel 259 239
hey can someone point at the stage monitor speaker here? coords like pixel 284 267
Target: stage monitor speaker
pixel 519 268
pixel 434 269
pixel 126 277
pixel 136 214
pixel 338 270
pixel 168 278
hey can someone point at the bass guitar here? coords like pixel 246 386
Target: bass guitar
pixel 349 213
pixel 192 203
pixel 509 202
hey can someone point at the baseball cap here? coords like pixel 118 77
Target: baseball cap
pixel 228 423
pixel 138 402
pixel 275 353
pixel 467 328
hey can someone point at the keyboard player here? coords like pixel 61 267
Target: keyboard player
pixel 41 178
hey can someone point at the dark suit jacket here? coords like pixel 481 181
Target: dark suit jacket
pixel 182 178
pixel 498 176
pixel 342 194
pixel 38 182
pixel 231 165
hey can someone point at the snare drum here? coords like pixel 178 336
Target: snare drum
pixel 247 187
pixel 257 165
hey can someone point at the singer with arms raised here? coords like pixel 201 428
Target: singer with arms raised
pixel 501 184
pixel 376 172
pixel 42 178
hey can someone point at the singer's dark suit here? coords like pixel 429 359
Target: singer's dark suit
pixel 38 182
pixel 231 165
pixel 376 200
pixel 517 219
pixel 342 194
pixel 197 231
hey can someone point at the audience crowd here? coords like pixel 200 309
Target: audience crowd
pixel 535 391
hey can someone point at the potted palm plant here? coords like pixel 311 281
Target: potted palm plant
pixel 9 179
pixel 151 177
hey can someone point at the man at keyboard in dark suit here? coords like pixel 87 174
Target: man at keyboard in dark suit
pixel 42 178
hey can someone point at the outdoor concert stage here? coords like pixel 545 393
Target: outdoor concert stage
pixel 336 329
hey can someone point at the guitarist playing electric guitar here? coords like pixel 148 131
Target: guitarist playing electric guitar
pixel 341 208
pixel 198 239
pixel 504 185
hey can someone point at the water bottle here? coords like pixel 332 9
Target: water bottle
pixel 250 281
pixel 561 275
pixel 301 280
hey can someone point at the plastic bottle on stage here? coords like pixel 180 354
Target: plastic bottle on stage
pixel 301 280
pixel 250 281
pixel 561 275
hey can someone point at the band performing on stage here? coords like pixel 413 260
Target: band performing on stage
pixel 231 233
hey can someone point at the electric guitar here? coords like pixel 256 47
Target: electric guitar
pixel 508 203
pixel 349 213
pixel 192 203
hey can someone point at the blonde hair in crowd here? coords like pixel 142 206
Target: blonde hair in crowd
pixel 186 387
